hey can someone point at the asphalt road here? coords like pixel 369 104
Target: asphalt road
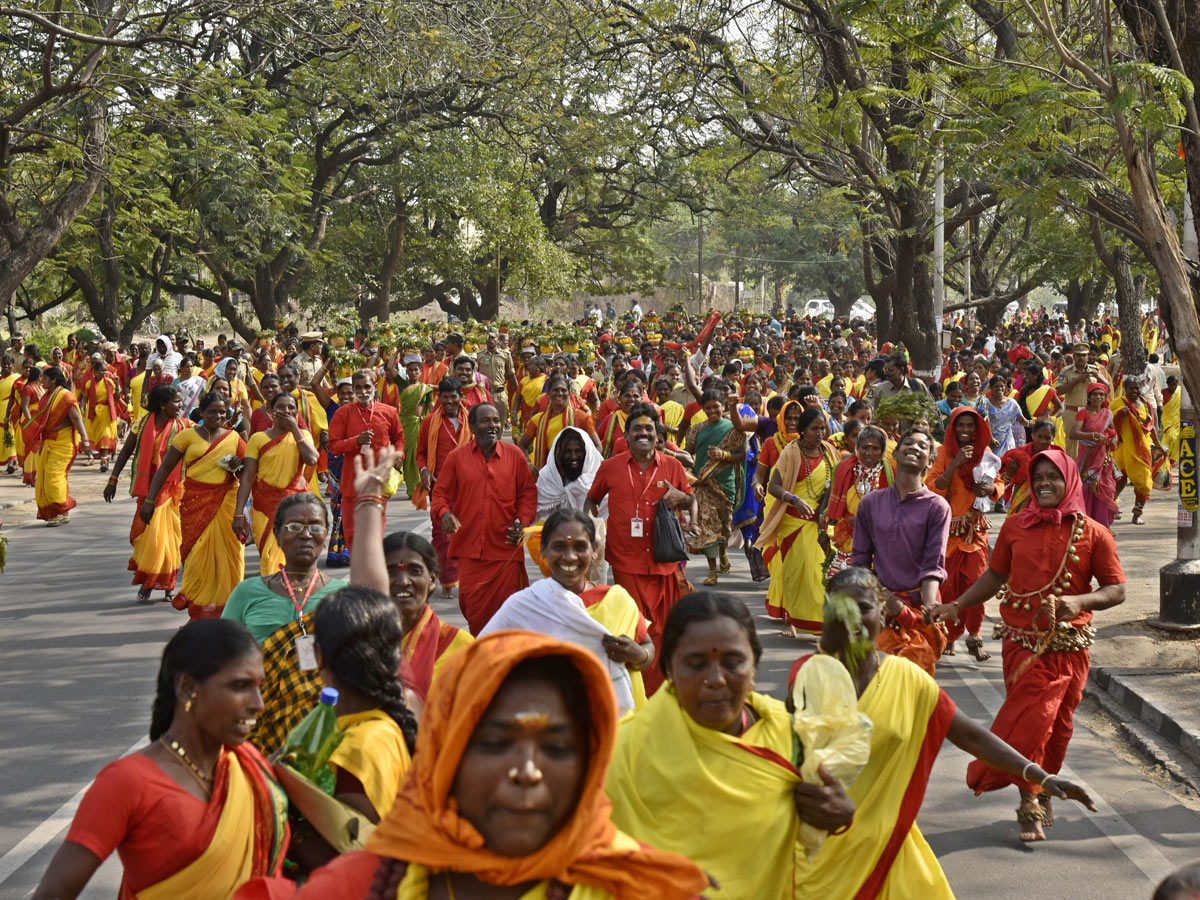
pixel 80 656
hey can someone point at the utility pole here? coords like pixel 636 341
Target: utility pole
pixel 1179 581
pixel 939 242
pixel 737 282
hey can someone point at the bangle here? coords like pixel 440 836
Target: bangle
pixel 113 479
pixel 1044 780
pixel 1024 776
pixel 239 516
pixel 378 497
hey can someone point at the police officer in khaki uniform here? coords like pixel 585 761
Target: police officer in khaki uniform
pixel 497 365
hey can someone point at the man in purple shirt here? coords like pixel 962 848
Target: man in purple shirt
pixel 900 533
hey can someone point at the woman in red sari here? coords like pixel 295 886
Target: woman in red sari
pixel 403 566
pixel 155 559
pixel 195 814
pixel 1048 555
pixel 1096 433
pixel 882 853
pixel 50 435
pixel 855 477
pixel 1014 465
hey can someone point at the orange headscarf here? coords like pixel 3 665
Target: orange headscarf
pixel 424 825
pixel 781 419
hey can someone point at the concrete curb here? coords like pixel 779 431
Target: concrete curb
pixel 1154 729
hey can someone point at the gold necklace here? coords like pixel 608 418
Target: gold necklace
pixel 177 748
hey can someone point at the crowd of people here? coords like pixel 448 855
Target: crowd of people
pixel 595 733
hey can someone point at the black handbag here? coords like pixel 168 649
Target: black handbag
pixel 669 545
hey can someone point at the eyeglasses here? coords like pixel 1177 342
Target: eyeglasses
pixel 317 531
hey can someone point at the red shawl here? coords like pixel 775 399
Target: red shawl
pixel 983 437
pixel 151 447
pixel 1072 501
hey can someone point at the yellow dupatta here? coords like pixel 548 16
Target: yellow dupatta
pixel 679 786
pixel 373 751
pixel 1171 413
pixel 229 861
pixel 882 854
pixel 1132 454
pixel 619 613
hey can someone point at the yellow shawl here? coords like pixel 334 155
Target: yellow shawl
pixel 679 786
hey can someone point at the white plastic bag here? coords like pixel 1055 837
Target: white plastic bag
pixel 832 731
pixel 985 473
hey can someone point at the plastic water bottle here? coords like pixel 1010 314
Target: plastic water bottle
pixel 312 742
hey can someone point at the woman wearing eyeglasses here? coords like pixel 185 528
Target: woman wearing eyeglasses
pixel 278 610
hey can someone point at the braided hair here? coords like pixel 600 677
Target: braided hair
pixel 358 632
pixel 201 649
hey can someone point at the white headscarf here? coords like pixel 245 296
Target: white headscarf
pixel 553 493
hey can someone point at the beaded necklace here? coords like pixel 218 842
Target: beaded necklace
pixel 865 480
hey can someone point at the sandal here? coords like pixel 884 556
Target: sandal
pixel 1137 518
pixel 710 580
pixel 103 466
pixel 144 595
pixel 975 647
pixel 726 565
pixel 1030 816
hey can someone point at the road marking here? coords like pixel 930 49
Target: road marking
pixel 33 843
pixel 1138 850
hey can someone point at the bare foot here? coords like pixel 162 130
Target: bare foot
pixel 949 651
pixel 975 647
pixel 1029 821
pixel 447 593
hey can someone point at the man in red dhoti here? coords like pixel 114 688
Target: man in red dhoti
pixel 634 481
pixel 484 497
pixel 1048 554
pixel 442 431
pixel 353 427
pixel 952 476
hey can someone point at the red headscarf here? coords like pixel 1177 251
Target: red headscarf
pixel 1072 501
pixel 1099 386
pixel 983 437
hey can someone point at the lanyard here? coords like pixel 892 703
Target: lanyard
pixel 637 501
pixel 308 592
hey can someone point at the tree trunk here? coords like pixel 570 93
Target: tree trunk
pixel 912 292
pixel 20 255
pixel 1129 313
pixel 381 307
pixel 1178 280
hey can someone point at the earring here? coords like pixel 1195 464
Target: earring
pixel 187 707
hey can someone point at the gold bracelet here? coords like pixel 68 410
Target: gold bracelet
pixel 1044 780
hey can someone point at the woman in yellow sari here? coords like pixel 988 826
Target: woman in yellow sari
pixel 569 607
pixel 195 814
pixel 104 410
pixel 279 462
pixel 707 768
pixel 213 557
pixel 545 426
pixel 357 634
pixel 793 536
pixel 517 722
pixel 155 558
pixel 1137 438
pixel 883 854
pixel 1171 415
pixel 50 437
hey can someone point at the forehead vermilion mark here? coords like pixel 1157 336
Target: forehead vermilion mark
pixel 532 719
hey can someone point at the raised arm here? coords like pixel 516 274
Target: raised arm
pixel 368 567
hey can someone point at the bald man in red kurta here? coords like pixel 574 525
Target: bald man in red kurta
pixel 486 492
